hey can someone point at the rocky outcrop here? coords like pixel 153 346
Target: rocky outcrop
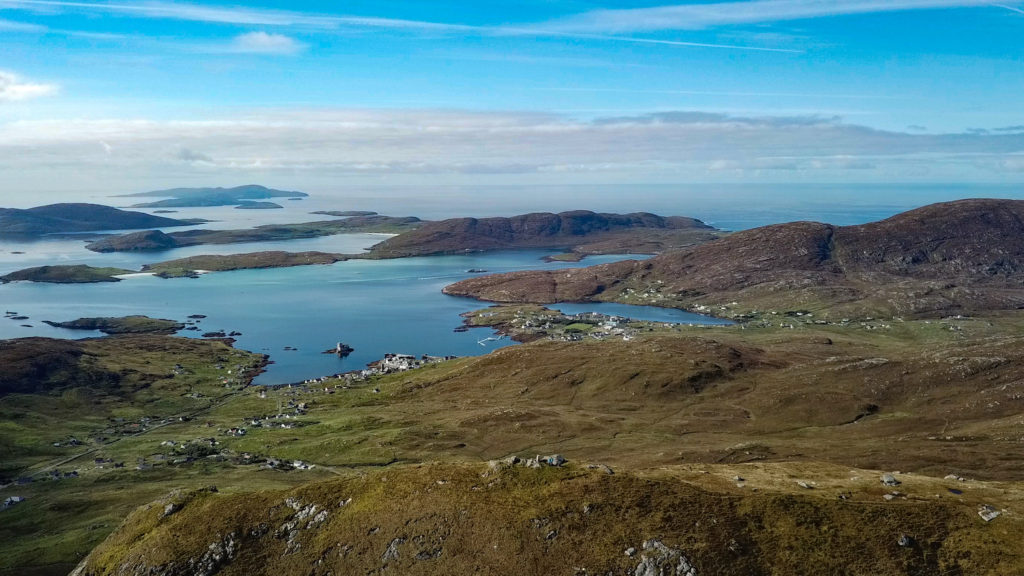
pixel 660 560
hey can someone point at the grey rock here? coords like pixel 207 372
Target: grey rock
pixel 170 509
pixel 890 480
pixel 661 560
pixel 988 513
pixel 392 551
pixel 555 460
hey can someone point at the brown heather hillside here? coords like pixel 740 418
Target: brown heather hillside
pixel 585 231
pixel 678 415
pixel 957 257
pixel 452 520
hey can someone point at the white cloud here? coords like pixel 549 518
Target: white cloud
pixel 697 16
pixel 237 15
pixel 475 147
pixel 264 43
pixel 13 26
pixel 14 89
pixel 231 15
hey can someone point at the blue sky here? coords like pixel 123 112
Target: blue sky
pixel 129 95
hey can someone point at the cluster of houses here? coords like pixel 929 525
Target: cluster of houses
pixel 12 501
pixel 284 465
pixel 58 475
pixel 390 364
pixel 559 326
pixel 102 463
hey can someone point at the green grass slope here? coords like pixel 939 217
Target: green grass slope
pixel 452 520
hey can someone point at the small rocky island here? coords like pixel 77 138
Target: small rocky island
pixel 77 274
pixel 341 349
pixel 122 325
pixel 251 205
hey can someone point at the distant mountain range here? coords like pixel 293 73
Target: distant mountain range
pixel 196 197
pixel 69 218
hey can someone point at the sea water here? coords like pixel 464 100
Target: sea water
pixel 397 305
pixel 375 306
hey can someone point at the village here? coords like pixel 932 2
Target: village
pixel 528 323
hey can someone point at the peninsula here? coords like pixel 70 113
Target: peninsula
pixel 959 257
pixel 155 240
pixel 124 325
pixel 66 274
pixel 188 267
pixel 74 218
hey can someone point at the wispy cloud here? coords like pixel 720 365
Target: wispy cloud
pixel 737 94
pixel 13 26
pixel 265 43
pixel 1010 8
pixel 13 88
pixel 698 16
pixel 246 16
pixel 25 27
pixel 233 15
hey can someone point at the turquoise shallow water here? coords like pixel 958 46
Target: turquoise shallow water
pixel 374 306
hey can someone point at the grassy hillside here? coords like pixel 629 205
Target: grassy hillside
pixel 676 413
pixel 447 519
pixel 756 448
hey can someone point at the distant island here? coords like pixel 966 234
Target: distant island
pixel 188 267
pixel 73 218
pixel 204 197
pixel 76 274
pixel 250 205
pixel 344 213
pixel 155 240
pixel 579 231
